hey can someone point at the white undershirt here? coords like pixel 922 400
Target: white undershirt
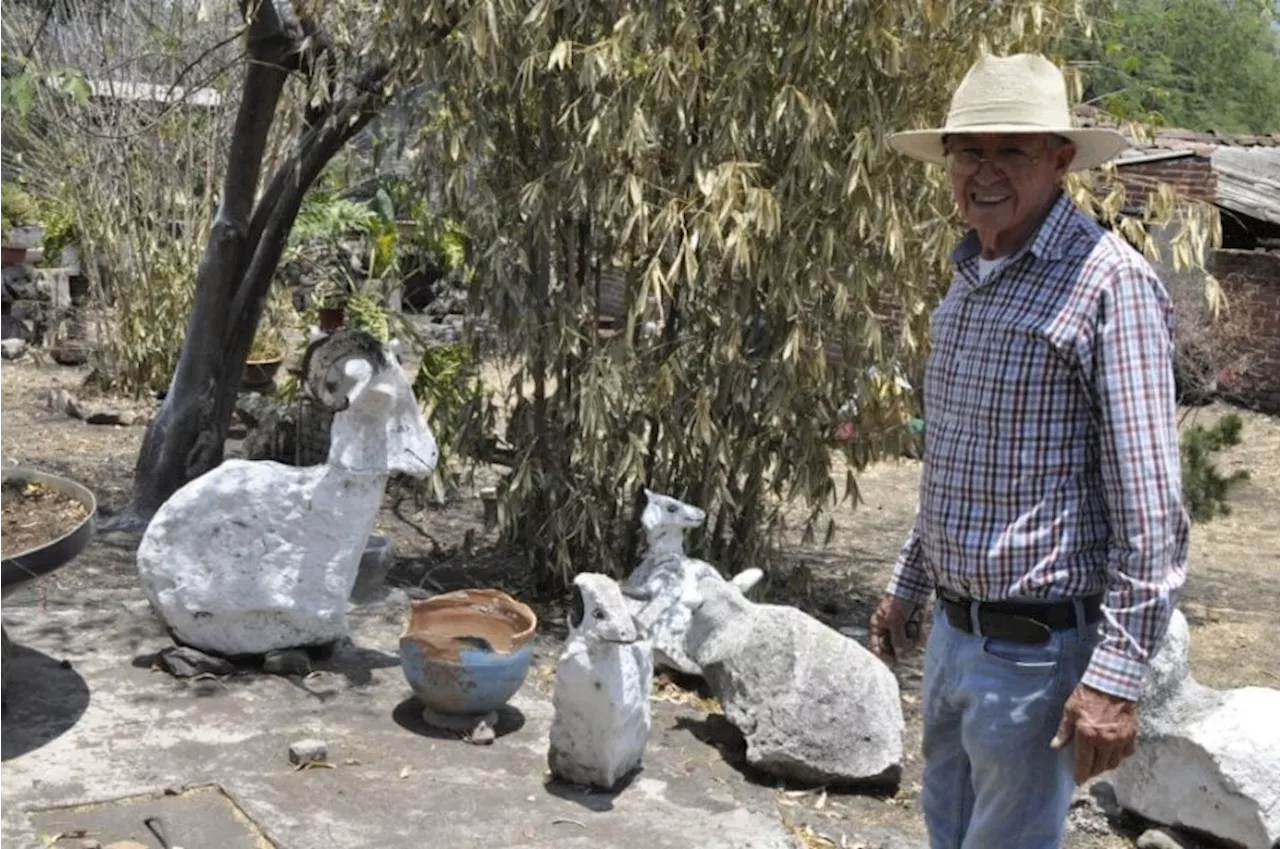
pixel 987 267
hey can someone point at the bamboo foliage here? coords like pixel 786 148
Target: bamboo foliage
pixel 728 161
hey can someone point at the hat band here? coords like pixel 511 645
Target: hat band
pixel 995 114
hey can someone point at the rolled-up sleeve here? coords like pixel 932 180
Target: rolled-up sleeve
pixel 1132 378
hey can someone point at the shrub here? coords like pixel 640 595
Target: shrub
pixel 1204 488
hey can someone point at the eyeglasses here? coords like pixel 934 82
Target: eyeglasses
pixel 966 163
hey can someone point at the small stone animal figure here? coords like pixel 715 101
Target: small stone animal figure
pixel 601 697
pixel 665 576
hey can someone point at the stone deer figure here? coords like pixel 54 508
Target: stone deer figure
pixel 256 556
pixel 666 575
pixel 601 697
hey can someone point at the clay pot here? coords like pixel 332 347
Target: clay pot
pixel 465 653
pixel 259 373
pixel 331 319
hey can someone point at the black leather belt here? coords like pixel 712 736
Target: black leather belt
pixel 1020 623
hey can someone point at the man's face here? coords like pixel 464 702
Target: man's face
pixel 1006 182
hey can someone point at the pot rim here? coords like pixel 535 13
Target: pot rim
pixel 471 597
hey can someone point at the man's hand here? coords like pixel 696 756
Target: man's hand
pixel 889 639
pixel 1104 728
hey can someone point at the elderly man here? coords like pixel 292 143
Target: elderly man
pixel 1050 534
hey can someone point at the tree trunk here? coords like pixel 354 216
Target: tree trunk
pixel 184 440
pixel 187 435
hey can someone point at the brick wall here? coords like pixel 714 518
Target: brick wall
pixel 1250 327
pixel 1191 176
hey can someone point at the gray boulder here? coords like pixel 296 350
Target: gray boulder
pixel 1206 759
pixel 12 349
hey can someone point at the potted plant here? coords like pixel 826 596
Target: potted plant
pixel 17 211
pixel 265 357
pixel 266 354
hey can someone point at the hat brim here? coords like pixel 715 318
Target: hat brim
pixel 1094 145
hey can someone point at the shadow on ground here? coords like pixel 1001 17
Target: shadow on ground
pixel 717 732
pixel 599 801
pixel 44 698
pixel 408 715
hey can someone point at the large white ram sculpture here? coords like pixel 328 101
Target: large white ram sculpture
pixel 256 556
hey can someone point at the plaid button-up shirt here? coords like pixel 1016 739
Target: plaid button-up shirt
pixel 1052 468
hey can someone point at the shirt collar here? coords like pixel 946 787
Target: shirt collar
pixel 1048 242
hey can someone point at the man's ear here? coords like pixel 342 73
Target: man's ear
pixel 1063 156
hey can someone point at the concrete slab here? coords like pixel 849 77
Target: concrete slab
pixel 88 720
pixel 200 818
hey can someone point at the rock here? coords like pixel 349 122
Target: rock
pixel 186 662
pixel 13 348
pixel 109 417
pixel 482 735
pixel 258 556
pixel 1170 669
pixel 293 433
pixel 61 401
pixel 19 283
pixel 90 843
pixel 5 669
pixel 812 704
pixel 1211 769
pixel 1159 838
pixel 1206 759
pixel 308 751
pixel 286 662
pixel 70 354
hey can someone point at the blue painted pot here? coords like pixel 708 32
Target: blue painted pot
pixel 465 653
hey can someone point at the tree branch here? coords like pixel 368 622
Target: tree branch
pixel 276 211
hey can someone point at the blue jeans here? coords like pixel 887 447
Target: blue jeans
pixel 990 707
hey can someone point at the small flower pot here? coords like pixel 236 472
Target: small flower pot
pixel 262 372
pixel 332 318
pixel 13 255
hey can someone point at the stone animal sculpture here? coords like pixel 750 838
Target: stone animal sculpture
pixel 601 696
pixel 812 704
pixel 666 575
pixel 256 556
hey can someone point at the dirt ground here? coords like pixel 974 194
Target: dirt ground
pixel 1232 599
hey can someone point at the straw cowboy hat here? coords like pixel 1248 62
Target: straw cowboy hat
pixel 1025 93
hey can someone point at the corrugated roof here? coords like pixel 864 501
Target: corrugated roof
pixel 1172 138
pixel 1247 166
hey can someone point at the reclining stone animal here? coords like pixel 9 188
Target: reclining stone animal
pixel 256 556
pixel 812 704
pixel 601 697
pixel 666 575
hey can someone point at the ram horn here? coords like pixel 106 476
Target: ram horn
pixel 322 374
